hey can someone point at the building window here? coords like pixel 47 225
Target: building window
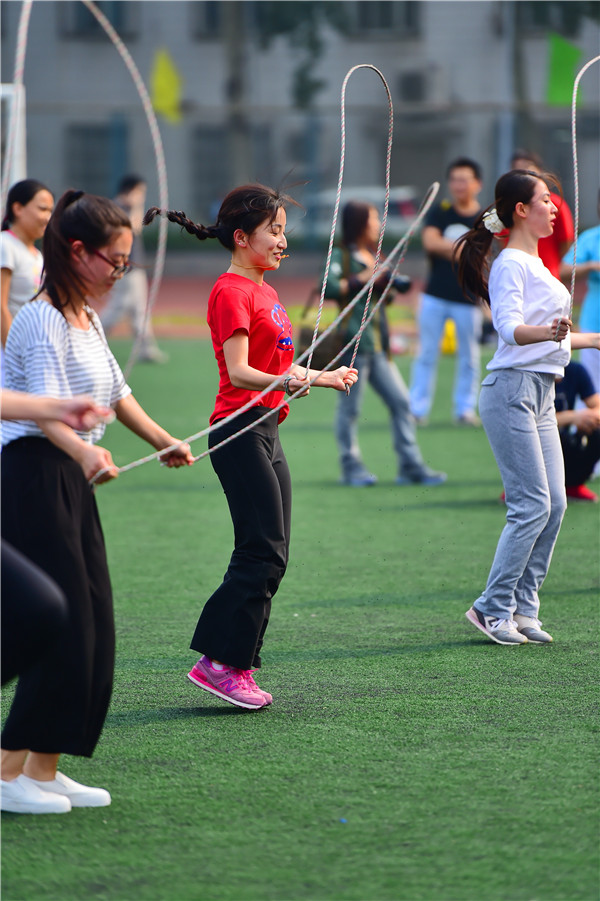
pixel 212 162
pixel 206 19
pixel 76 21
pixel 96 156
pixel 381 18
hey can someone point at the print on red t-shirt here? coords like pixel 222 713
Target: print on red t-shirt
pixel 238 303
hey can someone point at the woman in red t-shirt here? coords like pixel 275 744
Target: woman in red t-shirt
pixel 252 341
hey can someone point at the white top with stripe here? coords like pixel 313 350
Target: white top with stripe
pixel 45 355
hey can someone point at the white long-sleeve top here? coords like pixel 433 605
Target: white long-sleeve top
pixel 524 292
pixel 48 356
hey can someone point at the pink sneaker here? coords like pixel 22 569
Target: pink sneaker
pixel 229 684
pixel 250 681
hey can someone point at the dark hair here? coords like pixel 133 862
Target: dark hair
pixel 21 192
pixel 81 217
pixel 129 182
pixel 464 162
pixel 516 186
pixel 245 208
pixel 522 153
pixel 355 216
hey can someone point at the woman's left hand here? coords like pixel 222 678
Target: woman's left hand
pixel 340 379
pixel 179 456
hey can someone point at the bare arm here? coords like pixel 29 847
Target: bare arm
pixel 79 412
pixel 535 334
pixel 131 414
pixel 435 244
pixel 586 421
pixel 581 270
pixel 6 318
pixel 581 340
pixel 242 375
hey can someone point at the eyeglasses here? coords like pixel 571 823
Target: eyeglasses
pixel 118 268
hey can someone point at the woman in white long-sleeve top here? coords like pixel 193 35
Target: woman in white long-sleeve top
pixel 530 311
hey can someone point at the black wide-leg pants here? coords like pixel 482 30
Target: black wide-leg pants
pixel 49 513
pixel 255 477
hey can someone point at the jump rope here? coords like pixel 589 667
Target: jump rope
pixel 399 250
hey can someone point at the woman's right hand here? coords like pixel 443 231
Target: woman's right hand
pixel 93 460
pixel 560 328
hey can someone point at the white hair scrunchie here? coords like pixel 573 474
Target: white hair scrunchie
pixel 493 222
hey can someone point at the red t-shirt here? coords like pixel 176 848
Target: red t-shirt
pixel 237 302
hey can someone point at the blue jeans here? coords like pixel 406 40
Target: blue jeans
pixel 517 411
pixel 469 322
pixel 386 381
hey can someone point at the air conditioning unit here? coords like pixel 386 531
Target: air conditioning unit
pixel 422 84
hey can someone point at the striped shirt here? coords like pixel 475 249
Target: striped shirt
pixel 45 355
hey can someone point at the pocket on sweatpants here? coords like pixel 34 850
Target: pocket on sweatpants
pixel 490 379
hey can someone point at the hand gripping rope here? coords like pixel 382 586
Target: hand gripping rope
pixel 156 140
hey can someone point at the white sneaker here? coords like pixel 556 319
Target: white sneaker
pixel 531 628
pixel 78 795
pixel 502 631
pixel 21 795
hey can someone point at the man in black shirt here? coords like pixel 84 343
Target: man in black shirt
pixel 443 299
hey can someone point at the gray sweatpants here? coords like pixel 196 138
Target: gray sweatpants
pixel 517 412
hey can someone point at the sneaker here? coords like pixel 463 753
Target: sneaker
pixel 581 493
pixel 21 795
pixel 230 684
pixel 359 481
pixel 153 355
pixel 254 687
pixel 502 631
pixel 531 628
pixel 78 795
pixel 424 476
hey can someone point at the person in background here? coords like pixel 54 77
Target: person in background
pixel 351 268
pixel 579 429
pixel 444 299
pixel 129 297
pixel 28 208
pixel 587 266
pixel 553 247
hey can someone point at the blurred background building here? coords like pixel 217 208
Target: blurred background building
pixel 251 91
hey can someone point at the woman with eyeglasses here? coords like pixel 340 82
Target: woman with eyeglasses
pixel 56 347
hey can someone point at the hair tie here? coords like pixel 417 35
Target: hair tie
pixel 493 222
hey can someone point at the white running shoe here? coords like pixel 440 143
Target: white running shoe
pixel 21 795
pixel 531 628
pixel 78 795
pixel 502 631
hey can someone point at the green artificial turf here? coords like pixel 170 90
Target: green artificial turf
pixel 405 756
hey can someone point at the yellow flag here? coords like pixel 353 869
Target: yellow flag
pixel 165 87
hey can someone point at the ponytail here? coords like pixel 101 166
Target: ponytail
pixel 202 232
pixel 77 216
pixel 472 252
pixel 245 208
